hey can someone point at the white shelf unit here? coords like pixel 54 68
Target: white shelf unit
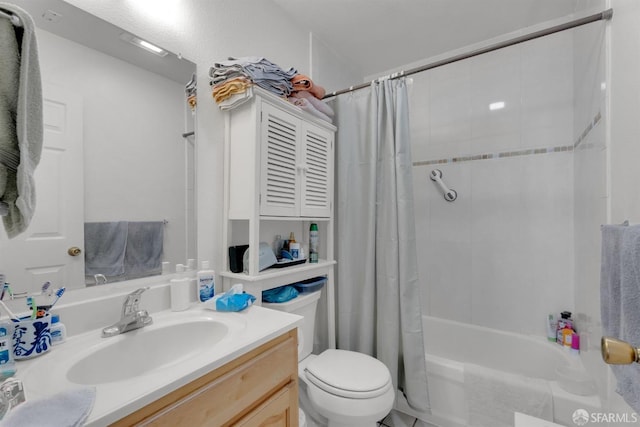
pixel 278 173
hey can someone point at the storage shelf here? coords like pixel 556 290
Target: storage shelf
pixel 283 218
pixel 276 273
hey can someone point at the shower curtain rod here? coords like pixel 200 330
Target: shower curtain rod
pixel 602 16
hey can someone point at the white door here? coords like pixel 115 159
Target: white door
pixel 42 252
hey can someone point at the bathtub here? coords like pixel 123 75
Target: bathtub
pixel 449 345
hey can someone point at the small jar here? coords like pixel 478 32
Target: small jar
pixel 58 330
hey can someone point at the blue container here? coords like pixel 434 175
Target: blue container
pixel 311 285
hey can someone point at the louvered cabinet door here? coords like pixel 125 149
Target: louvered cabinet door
pixel 317 172
pixel 279 177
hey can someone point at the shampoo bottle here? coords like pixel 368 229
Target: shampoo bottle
pixel 206 282
pixel 565 322
pixel 552 327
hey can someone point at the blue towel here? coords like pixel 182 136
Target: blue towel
pixel 281 294
pixel 145 246
pixel 104 248
pixel 620 299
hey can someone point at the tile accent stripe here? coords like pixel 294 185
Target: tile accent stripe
pixel 559 149
pixel 526 152
pixel 588 128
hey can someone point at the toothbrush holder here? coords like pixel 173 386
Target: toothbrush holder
pixel 31 337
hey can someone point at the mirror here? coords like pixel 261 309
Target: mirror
pixel 119 147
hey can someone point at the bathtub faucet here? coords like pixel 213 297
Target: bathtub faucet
pixel 617 352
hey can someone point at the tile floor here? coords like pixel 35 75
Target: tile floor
pixel 398 419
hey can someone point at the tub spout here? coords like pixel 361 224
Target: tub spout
pixel 617 352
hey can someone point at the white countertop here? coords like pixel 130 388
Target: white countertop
pixel 46 375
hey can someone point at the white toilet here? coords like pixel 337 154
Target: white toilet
pixel 337 387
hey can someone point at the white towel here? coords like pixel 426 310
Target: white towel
pixel 495 396
pixel 66 409
pixel 19 192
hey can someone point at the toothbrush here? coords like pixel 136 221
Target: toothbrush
pixel 13 316
pixel 32 305
pixel 59 293
pixel 45 286
pixel 6 287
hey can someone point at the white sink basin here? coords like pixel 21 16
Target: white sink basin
pixel 142 350
pixel 136 368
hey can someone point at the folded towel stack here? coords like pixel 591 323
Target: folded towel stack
pixel 191 92
pixel 250 70
pixel 620 299
pixel 308 96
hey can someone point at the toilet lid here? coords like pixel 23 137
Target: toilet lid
pixel 349 374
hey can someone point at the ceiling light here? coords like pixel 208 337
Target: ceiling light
pixel 496 105
pixel 143 44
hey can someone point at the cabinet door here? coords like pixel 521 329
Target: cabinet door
pixel 317 172
pixel 277 411
pixel 279 183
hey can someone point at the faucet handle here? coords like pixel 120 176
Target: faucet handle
pixel 131 302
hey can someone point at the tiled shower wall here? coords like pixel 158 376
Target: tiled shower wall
pixel 502 254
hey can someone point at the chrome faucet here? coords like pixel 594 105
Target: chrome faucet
pixel 132 317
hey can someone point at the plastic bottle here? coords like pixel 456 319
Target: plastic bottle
pixel 206 286
pixel 7 363
pixel 313 243
pixel 552 327
pixel 180 290
pixel 565 322
pixel 58 330
pixel 575 344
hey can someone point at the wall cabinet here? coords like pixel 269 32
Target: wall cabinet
pixel 279 172
pixel 258 389
pixel 296 168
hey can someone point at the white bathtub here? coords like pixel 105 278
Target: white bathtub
pixel 449 345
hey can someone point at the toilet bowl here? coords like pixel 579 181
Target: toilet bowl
pixel 338 388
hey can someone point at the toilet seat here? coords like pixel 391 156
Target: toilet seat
pixel 349 374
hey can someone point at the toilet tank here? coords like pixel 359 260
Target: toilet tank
pixel 303 305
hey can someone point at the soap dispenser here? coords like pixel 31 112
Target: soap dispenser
pixel 180 290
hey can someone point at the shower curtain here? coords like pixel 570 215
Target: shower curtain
pixel 378 301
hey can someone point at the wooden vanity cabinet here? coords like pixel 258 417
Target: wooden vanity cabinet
pixel 258 389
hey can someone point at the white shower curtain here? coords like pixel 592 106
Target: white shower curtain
pixel 378 300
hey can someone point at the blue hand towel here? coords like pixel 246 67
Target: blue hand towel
pixel 620 299
pixel 69 408
pixel 104 248
pixel 145 246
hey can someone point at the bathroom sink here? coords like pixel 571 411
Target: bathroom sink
pixel 137 352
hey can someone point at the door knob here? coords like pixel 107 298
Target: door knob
pixel 74 251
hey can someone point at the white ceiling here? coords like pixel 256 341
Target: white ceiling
pixel 379 35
